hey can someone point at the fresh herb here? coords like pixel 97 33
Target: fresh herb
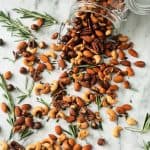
pixel 10 59
pixel 98 102
pixel 25 95
pixel 73 131
pixel 11 105
pixel 42 101
pixel 145 128
pixel 48 20
pixel 25 133
pixel 15 26
pixel 26 83
pixel 147 145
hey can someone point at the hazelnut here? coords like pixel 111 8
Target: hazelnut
pixel 7 75
pixel 58 129
pixel 18 111
pixel 101 141
pixel 10 87
pixel 26 107
pixel 23 70
pixel 29 121
pixel 20 121
pixel 54 35
pixel 4 107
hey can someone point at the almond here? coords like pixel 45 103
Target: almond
pixel 125 63
pixel 4 107
pixel 61 63
pixel 26 107
pixel 87 147
pixel 58 129
pixel 29 122
pixel 140 64
pixel 49 66
pixel 87 39
pixel 133 53
pixel 20 121
pixel 114 62
pixel 77 147
pixel 121 54
pixel 130 71
pixel 99 33
pixel 126 107
pixel 87 54
pixel 118 78
pixel 18 111
pixel 22 45
pixel 123 38
pixel 120 110
pixel 113 87
pixel 77 86
pixel 44 58
pixel 126 84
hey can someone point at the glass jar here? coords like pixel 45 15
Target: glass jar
pixel 116 11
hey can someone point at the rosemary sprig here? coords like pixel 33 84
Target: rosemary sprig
pixel 9 59
pixel 25 95
pixel 11 105
pixel 15 26
pixel 73 131
pixel 147 145
pixel 25 133
pixel 98 102
pixel 48 20
pixel 42 101
pixel 145 128
pixel 100 126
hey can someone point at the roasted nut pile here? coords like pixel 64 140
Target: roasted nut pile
pixel 100 65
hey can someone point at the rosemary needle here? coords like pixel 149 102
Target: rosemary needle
pixel 48 20
pixel 15 26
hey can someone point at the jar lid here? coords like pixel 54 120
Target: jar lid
pixel 140 7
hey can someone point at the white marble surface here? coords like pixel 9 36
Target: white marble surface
pixel 138 30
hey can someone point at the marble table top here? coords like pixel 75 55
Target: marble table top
pixel 137 28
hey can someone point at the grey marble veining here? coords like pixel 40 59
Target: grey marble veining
pixel 137 27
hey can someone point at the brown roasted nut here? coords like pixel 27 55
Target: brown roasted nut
pixel 22 45
pixel 87 147
pixel 10 87
pixel 18 111
pixel 34 27
pixel 16 145
pixel 127 107
pixel 82 134
pixel 87 39
pixel 49 66
pixel 54 35
pixel 4 107
pixel 20 121
pixel 4 145
pixel 116 131
pixel 52 137
pixel 118 79
pixel 101 141
pixel 87 54
pixel 37 125
pixel 126 84
pixel 65 145
pixel 139 64
pixel 121 54
pixel 99 33
pixel 77 147
pixel 44 58
pixel 23 70
pixel 114 54
pixel 125 63
pixel 29 122
pixel 120 110
pixel 114 62
pixel 123 38
pixel 77 86
pixel 130 71
pixel 61 63
pixel 7 75
pixel 58 130
pixel 108 32
pixel 39 22
pixel 52 113
pixel 132 52
pixel 71 142
pixel 26 107
pixel 56 47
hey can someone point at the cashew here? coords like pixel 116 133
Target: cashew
pixel 52 113
pixel 116 131
pixel 35 146
pixel 47 146
pixel 131 121
pixel 82 134
pixel 114 54
pixel 61 138
pixel 36 110
pixel 110 100
pixel 46 89
pixel 32 50
pixel 45 110
pixel 57 147
pixel 54 86
pixel 47 140
pixel 37 88
pixel 83 125
pixel 28 63
pixel 79 47
pixel 3 145
pixel 61 114
pixel 77 60
pixel 112 114
pixel 85 96
pixel 97 59
pixel 56 47
pixel 51 53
